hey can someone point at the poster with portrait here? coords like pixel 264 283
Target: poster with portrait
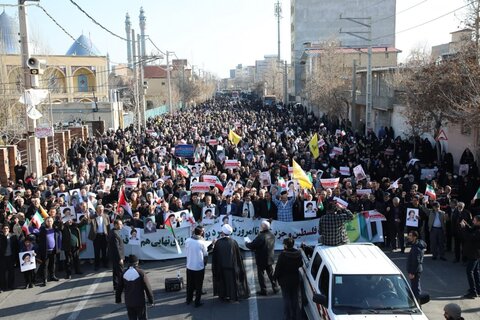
pixel 107 187
pixel 27 260
pixel 68 213
pixel 134 160
pixel 412 217
pixel 310 209
pixel 65 196
pixel 463 170
pixel 265 179
pixel 208 215
pixel 229 188
pixel 226 219
pixel 195 170
pixel 359 173
pixel 292 188
pixel 134 236
pixel 220 153
pixel 80 217
pixel 149 225
pixel 18 193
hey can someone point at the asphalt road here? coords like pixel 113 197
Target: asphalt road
pixel 91 296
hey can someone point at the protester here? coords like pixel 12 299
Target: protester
pixel 288 277
pixel 437 226
pixel 332 226
pixel 116 252
pixel 471 235
pixel 29 245
pixel 71 244
pixel 452 311
pixel 264 245
pixel 99 230
pixel 197 256
pixel 415 262
pixel 136 285
pixel 229 275
pixel 49 243
pixel 8 258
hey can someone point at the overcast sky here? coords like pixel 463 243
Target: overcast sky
pixel 216 35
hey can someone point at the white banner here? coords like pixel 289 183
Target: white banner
pixel 160 245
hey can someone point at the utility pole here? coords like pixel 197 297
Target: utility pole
pixel 33 145
pixel 369 125
pixel 353 112
pixel 285 85
pixel 135 81
pixel 141 85
pixel 278 14
pixel 170 107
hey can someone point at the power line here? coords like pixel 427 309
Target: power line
pixel 424 23
pixel 63 29
pixel 96 22
pixel 402 11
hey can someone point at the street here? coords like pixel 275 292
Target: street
pixel 91 296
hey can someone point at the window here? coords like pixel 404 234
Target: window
pixel 82 83
pixel 324 281
pixel 317 261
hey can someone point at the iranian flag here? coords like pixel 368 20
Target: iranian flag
pixel 340 202
pixel 213 181
pixel 10 208
pixel 37 220
pixel 183 171
pixel 477 195
pixel 168 226
pixel 122 202
pixel 25 227
pixel 430 192
pixel 330 183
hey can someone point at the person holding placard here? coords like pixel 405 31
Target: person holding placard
pixel 29 245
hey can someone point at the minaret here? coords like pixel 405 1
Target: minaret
pixel 129 40
pixel 143 21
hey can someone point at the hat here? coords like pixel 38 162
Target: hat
pixel 227 229
pixel 133 259
pixel 266 224
pixel 453 310
pixel 435 204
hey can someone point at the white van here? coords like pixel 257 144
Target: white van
pixel 356 281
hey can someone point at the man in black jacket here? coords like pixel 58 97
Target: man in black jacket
pixel 415 261
pixel 471 236
pixel 71 244
pixel 288 276
pixel 8 257
pixel 136 285
pixel 264 246
pixel 116 252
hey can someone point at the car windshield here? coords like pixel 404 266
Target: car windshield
pixel 358 294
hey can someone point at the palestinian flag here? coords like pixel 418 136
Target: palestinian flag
pixel 430 192
pixel 183 171
pixel 477 195
pixel 10 208
pixel 168 226
pixel 122 202
pixel 37 220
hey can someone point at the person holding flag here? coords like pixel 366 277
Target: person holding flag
pixel 233 137
pixel 313 146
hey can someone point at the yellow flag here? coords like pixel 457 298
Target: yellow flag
pixel 233 137
pixel 313 145
pixel 300 175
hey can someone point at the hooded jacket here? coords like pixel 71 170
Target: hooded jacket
pixel 136 286
pixel 415 257
pixel 286 270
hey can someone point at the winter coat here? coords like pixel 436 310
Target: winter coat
pixel 415 257
pixel 286 270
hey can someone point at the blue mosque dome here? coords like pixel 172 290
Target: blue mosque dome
pixel 83 47
pixel 9 35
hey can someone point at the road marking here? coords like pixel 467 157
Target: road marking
pixel 252 301
pixel 76 312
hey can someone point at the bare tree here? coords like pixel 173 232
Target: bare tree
pixel 328 84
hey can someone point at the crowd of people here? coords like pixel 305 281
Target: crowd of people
pixel 44 215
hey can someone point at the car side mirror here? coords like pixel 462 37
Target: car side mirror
pixel 424 298
pixel 321 299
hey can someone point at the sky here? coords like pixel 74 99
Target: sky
pixel 216 35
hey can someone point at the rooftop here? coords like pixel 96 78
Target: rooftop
pixel 83 46
pixel 357 258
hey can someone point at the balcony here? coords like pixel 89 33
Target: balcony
pixel 378 102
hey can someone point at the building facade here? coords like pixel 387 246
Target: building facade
pixel 320 21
